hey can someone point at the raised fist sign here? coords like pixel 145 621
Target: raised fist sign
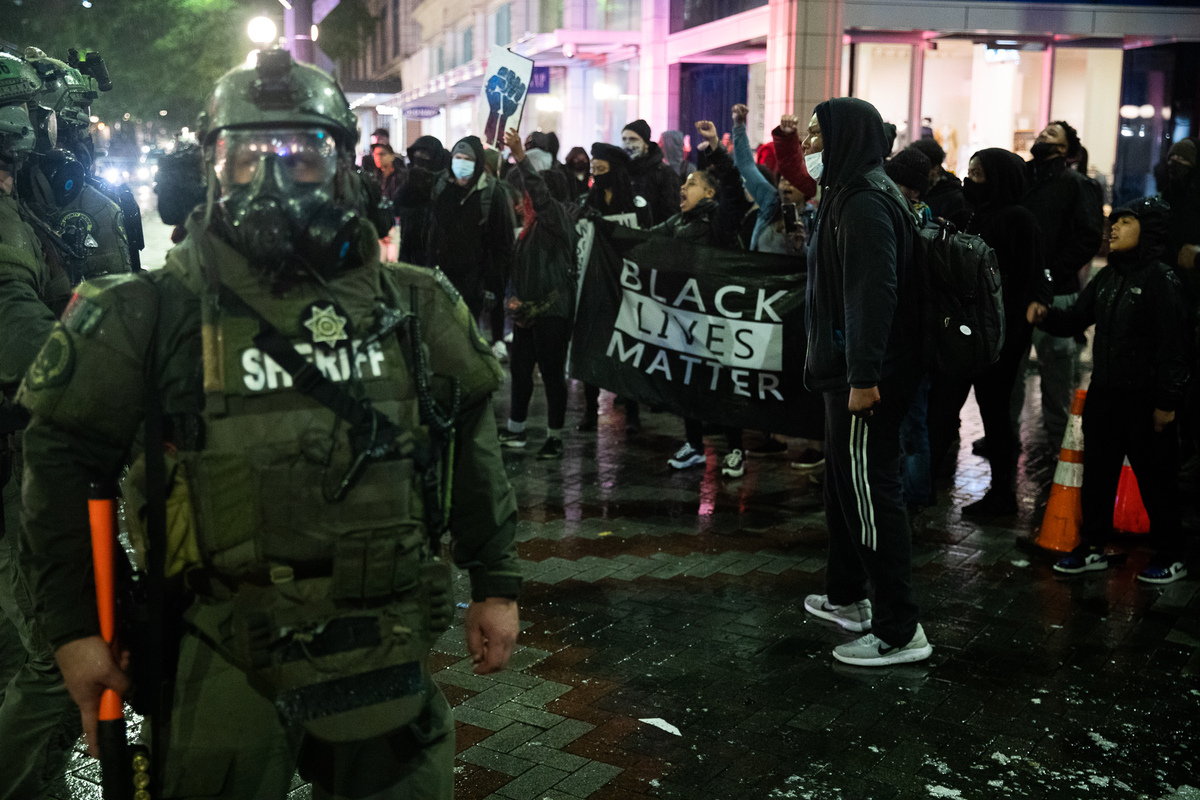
pixel 504 91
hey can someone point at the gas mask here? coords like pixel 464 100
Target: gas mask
pixel 17 136
pixel 63 172
pixel 277 192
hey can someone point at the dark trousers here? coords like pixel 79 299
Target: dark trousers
pixel 694 432
pixel 993 393
pixel 1117 425
pixel 869 544
pixel 543 343
pixel 591 398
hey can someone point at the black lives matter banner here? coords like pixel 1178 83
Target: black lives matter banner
pixel 712 334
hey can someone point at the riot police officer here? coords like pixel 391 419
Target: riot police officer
pixel 323 418
pixel 94 227
pixel 37 726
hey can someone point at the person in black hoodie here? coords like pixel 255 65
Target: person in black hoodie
pixel 426 158
pixel 945 194
pixel 472 236
pixel 994 187
pixel 1070 216
pixel 579 167
pixel 1139 374
pixel 655 184
pixel 864 356
pixel 611 194
pixel 541 303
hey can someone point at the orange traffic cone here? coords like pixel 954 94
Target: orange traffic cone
pixel 1129 515
pixel 1064 512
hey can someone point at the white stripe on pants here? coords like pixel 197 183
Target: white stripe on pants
pixel 861 481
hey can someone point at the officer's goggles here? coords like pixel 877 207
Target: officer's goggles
pixel 305 156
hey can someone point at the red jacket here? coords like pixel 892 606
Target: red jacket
pixel 791 162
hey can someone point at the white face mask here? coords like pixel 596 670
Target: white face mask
pixel 814 165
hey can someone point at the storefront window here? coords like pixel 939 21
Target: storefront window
pixel 614 15
pixel 690 13
pixel 551 15
pixel 612 91
pixel 880 75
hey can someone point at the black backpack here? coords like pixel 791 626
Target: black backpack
pixel 962 305
pixel 962 309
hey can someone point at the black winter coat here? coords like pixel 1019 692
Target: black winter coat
pixel 1140 316
pixel 861 301
pixel 945 199
pixel 656 183
pixel 543 275
pixel 715 223
pixel 1068 208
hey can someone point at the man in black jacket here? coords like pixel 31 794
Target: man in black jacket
pixel 1069 211
pixel 426 158
pixel 945 195
pixel 1141 368
pixel 864 356
pixel 655 184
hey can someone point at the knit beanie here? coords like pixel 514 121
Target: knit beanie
pixel 909 168
pixel 932 150
pixel 640 127
pixel 463 148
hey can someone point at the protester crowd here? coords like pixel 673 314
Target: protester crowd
pixel 848 210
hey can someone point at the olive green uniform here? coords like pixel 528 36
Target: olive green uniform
pixel 95 226
pixel 254 504
pixel 38 720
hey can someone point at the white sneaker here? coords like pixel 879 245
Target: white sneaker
pixel 853 617
pixel 686 456
pixel 734 465
pixel 500 351
pixel 871 651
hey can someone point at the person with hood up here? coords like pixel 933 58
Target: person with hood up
pixel 611 194
pixel 547 142
pixel 864 355
pixel 579 168
pixel 542 301
pixel 1180 187
pixel 671 143
pixel 1140 370
pixel 655 184
pixel 472 236
pixel 426 158
pixel 1068 208
pixel 994 187
pixel 945 195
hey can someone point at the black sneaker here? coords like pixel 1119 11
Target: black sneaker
pixel 1082 559
pixel 979 447
pixel 553 448
pixel 771 447
pixel 511 439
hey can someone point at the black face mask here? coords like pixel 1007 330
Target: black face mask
pixel 1044 151
pixel 1179 172
pixel 578 166
pixel 286 230
pixel 977 194
pixel 605 181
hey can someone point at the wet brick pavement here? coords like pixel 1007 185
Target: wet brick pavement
pixel 652 594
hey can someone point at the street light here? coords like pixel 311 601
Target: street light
pixel 261 30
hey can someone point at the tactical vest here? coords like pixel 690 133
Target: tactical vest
pixel 335 603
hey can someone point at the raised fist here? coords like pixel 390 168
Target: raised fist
pixel 740 113
pixel 504 92
pixel 789 123
pixel 708 131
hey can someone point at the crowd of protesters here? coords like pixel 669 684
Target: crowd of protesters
pixel 503 230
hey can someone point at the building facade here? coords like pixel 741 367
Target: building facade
pixel 975 74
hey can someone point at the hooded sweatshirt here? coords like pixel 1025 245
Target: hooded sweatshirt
pixel 862 306
pixel 469 246
pixel 672 146
pixel 1137 305
pixel 1012 231
pixel 656 184
pixel 426 158
pixel 1069 211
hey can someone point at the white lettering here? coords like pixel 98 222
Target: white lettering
pixel 768 383
pixel 687 373
pixel 691 293
pixel 721 309
pixel 375 353
pixel 716 368
pixel 255 379
pixel 629 276
pixel 344 358
pixel 276 374
pixel 740 384
pixel 327 363
pixel 660 363
pixel 765 305
pixel 618 344
pixel 653 281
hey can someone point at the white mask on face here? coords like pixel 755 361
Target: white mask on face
pixel 814 165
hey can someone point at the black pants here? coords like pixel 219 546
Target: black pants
pixel 694 432
pixel 591 398
pixel 869 544
pixel 1117 425
pixel 543 344
pixel 993 392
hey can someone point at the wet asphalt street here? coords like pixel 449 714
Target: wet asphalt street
pixel 665 651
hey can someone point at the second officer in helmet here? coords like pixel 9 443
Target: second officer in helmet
pixel 325 418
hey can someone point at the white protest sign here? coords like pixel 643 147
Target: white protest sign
pixel 505 88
